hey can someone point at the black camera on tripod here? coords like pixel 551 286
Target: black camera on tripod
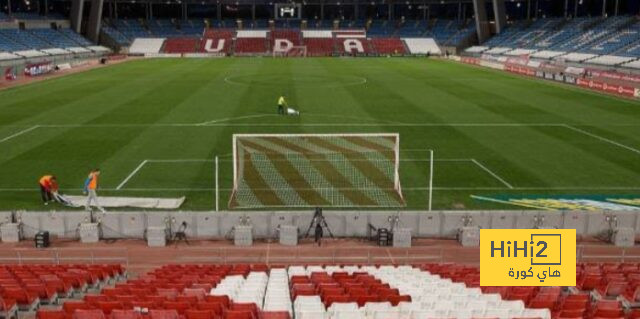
pixel 319 224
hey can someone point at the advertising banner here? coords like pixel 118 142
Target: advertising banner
pixel 615 76
pixel 609 88
pixel 470 60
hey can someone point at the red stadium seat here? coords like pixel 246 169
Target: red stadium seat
pixel 198 293
pixel 239 314
pixel 275 315
pixel 157 300
pixel 51 314
pixel 216 307
pixel 26 300
pixel 108 306
pixel 362 300
pixel 169 293
pixel 199 314
pixel 192 300
pixel 88 314
pixel 542 304
pixel 571 314
pixel 395 300
pixel 251 307
pixel 114 291
pixel 125 314
pixel 46 294
pixel 179 306
pixel 94 299
pixel 126 301
pixel 180 45
pixel 163 314
pixel 329 300
pixel 71 306
pixel 616 288
pixel 224 300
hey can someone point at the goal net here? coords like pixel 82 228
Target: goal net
pixel 316 170
pixel 295 51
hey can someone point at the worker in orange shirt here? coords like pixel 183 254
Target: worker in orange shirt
pixel 48 186
pixel 90 187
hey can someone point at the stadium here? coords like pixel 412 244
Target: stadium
pixel 319 159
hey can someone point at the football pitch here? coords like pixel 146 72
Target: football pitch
pixel 153 127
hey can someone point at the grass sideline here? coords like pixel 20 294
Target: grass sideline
pixel 154 126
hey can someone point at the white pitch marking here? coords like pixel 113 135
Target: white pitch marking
pixel 496 176
pixel 604 139
pixel 203 160
pixel 600 188
pixel 181 160
pixel 132 174
pixel 19 133
pixel 358 80
pixel 235 118
pixel 312 125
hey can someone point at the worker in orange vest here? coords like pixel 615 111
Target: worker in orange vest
pixel 48 186
pixel 90 187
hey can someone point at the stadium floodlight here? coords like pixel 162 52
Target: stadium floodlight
pixel 316 170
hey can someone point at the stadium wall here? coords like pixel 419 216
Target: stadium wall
pixel 435 224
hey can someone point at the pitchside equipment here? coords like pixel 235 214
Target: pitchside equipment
pixel 316 170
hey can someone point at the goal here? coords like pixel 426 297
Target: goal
pixel 295 51
pixel 316 170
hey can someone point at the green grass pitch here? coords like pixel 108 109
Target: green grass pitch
pixel 493 133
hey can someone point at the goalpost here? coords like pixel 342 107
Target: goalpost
pixel 311 170
pixel 294 51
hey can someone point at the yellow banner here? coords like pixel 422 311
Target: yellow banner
pixel 527 257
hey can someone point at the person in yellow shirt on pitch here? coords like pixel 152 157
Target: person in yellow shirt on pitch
pixel 282 103
pixel 284 109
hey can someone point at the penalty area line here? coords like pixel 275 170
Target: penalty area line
pixel 19 133
pixel 132 174
pixel 492 173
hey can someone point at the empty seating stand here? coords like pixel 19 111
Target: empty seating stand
pixel 320 46
pixel 262 292
pixel 180 45
pixel 217 41
pixel 612 41
pixel 393 46
pixel 607 290
pixel 251 42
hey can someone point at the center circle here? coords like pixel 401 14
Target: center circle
pixel 304 80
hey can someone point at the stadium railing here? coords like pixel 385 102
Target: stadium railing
pixel 291 255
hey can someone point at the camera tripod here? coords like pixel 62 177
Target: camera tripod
pixel 318 221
